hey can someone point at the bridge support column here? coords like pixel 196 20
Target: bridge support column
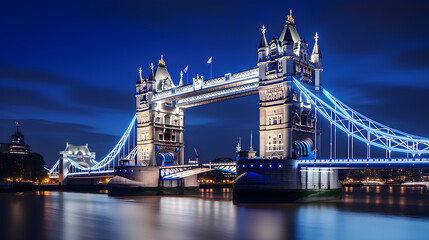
pixel 160 129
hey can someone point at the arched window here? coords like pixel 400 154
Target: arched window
pixel 167 119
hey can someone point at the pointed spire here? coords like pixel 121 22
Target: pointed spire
pixel 263 43
pixel 316 55
pixel 140 79
pixel 316 49
pixel 287 36
pixel 181 78
pixel 152 75
pixel 239 144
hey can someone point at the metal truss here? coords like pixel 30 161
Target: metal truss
pixel 117 149
pixel 357 126
pixel 99 166
pixel 132 154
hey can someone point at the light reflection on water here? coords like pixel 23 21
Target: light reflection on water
pixel 363 213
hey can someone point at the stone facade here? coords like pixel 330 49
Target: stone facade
pixel 287 124
pixel 160 126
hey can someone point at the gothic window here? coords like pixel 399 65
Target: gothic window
pixel 173 137
pixel 176 121
pixel 304 119
pixel 280 119
pixel 275 120
pixel 160 136
pixel 167 119
pixel 158 120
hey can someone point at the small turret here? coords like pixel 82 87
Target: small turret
pixel 316 58
pixel 181 78
pixel 263 46
pixel 151 80
pixel 316 55
pixel 140 79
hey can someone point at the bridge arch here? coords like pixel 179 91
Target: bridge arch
pixel 303 147
pixel 164 158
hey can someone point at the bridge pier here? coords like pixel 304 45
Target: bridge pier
pixel 146 180
pixel 280 181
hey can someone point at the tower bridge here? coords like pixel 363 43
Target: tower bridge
pixel 292 103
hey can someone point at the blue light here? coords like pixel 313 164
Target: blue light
pixel 125 170
pixel 312 98
pixel 270 165
pixel 280 166
pixel 244 165
pixel 251 165
pixel 120 170
pixel 132 170
pixel 260 165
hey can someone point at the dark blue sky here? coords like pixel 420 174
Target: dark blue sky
pixel 68 68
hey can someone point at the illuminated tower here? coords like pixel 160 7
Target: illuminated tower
pixel 287 121
pixel 159 126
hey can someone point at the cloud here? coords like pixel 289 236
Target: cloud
pixel 31 75
pixel 415 58
pixel 362 27
pixel 24 100
pixel 100 97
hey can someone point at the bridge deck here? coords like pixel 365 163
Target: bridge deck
pixel 366 163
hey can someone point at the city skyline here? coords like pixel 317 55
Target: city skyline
pixel 61 89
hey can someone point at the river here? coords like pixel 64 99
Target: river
pixel 363 213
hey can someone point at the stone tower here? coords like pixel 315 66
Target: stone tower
pixel 159 126
pixel 287 125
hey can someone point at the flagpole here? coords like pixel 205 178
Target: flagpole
pixel 211 69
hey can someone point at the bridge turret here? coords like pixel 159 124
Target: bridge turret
pixel 181 79
pixel 263 46
pixel 140 78
pixel 151 80
pixel 316 59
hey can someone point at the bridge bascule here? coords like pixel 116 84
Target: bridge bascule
pixel 292 103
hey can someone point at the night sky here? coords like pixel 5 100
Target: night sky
pixel 68 68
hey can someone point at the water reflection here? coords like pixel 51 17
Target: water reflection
pixel 364 212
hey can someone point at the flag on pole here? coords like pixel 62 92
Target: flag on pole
pixel 210 60
pixel 186 69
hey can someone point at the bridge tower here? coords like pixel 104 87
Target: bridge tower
pixel 159 126
pixel 287 124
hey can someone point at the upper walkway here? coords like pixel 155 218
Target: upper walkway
pixel 212 90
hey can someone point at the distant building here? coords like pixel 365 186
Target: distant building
pixel 4 147
pixel 80 154
pixel 16 145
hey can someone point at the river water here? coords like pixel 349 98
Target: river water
pixel 363 213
